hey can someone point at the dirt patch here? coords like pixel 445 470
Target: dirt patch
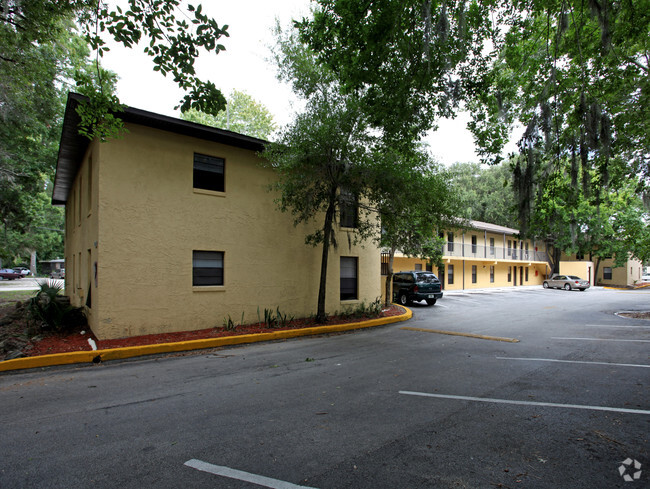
pixel 17 339
pixel 636 315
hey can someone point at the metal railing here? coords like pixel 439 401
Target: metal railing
pixel 454 249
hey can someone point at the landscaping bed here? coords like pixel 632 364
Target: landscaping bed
pixel 19 339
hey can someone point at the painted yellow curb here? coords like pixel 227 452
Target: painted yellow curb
pixel 136 351
pixel 469 335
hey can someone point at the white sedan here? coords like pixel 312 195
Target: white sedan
pixel 566 282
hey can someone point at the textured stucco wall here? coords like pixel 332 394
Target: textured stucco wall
pixel 151 219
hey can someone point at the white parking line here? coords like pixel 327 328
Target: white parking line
pixel 600 339
pixel 241 475
pixel 574 361
pixel 616 326
pixel 527 403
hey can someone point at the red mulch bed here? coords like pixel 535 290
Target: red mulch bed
pixel 76 341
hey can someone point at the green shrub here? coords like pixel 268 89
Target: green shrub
pixel 52 311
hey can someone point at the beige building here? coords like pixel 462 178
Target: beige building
pixel 486 255
pixel 172 228
pixel 608 273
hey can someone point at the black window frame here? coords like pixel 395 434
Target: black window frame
pixel 208 276
pixel 474 243
pixel 211 174
pixel 450 274
pixel 450 242
pixel 606 273
pixel 346 292
pixel 474 274
pixel 348 210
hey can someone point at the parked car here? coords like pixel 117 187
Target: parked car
pixel 10 274
pixel 645 278
pixel 22 270
pixel 566 282
pixel 416 286
pixel 60 273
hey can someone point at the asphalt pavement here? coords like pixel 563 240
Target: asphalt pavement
pixel 397 406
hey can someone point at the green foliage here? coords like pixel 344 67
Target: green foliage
pixel 243 114
pixel 229 324
pixel 173 39
pixel 574 74
pixel 409 61
pixel 51 311
pixel 275 319
pixel 322 157
pixel 486 193
pixel 363 310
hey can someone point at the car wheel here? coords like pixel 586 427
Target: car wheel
pixel 567 287
pixel 403 299
pixel 545 284
pixel 431 302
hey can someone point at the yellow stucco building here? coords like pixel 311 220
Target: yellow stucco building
pixel 485 255
pixel 172 228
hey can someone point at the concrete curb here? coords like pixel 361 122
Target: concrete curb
pixel 97 356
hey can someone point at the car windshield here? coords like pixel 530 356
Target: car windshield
pixel 573 277
pixel 427 278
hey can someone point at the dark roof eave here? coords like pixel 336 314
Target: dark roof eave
pixel 73 146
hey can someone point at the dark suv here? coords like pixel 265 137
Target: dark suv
pixel 416 286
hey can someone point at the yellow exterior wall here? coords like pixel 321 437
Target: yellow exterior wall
pixel 626 275
pixel 149 220
pixel 81 234
pixel 498 256
pixel 583 269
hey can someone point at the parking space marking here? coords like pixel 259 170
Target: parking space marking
pixel 600 339
pixel 616 326
pixel 527 403
pixel 241 475
pixel 574 361
pixel 457 333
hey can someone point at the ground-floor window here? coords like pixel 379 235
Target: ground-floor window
pixel 349 284
pixel 526 275
pixel 207 268
pixel 492 274
pixel 418 267
pixel 509 274
pixel 607 273
pixel 450 274
pixel 473 274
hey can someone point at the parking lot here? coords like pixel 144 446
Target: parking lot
pixel 550 391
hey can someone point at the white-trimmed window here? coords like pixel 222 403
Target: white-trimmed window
pixel 209 173
pixel 207 268
pixel 349 280
pixel 607 273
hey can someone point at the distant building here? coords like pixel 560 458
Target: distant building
pixel 486 255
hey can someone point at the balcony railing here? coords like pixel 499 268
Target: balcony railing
pixel 491 252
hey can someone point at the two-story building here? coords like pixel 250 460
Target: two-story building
pixel 173 228
pixel 485 255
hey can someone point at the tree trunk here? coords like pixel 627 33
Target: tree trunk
pixel 321 316
pixel 32 262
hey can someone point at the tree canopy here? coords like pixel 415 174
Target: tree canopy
pixel 410 61
pixel 243 114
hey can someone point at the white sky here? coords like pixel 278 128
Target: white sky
pixel 245 66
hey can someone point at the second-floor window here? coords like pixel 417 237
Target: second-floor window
pixel 450 242
pixel 349 210
pixel 209 173
pixel 473 244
